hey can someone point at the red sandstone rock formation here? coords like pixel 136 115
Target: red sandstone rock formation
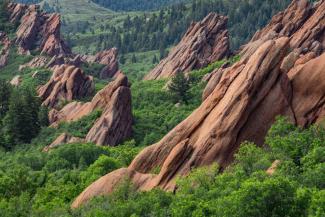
pixel 4 52
pixel 64 138
pixel 115 124
pixel 204 42
pixel 67 83
pixel 270 81
pixel 37 30
pixel 109 58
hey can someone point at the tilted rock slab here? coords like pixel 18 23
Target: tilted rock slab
pixel 302 21
pixel 115 123
pixel 109 58
pixel 4 52
pixel 271 81
pixel 66 84
pixel 37 30
pixel 64 138
pixel 204 42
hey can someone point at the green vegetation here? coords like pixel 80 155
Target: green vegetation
pixel 5 26
pixel 14 61
pixel 155 110
pixel 159 30
pixel 135 5
pixel 33 183
pixel 244 189
pixel 19 119
pixel 144 63
pixel 179 87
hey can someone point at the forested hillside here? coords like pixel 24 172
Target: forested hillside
pixel 160 30
pixel 135 5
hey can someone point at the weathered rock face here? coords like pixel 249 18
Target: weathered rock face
pixel 301 21
pixel 242 106
pixel 16 81
pixel 36 62
pixel 4 52
pixel 61 140
pixel 67 83
pixel 115 124
pixel 109 58
pixel 204 42
pixel 37 30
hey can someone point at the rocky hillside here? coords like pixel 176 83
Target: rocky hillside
pixel 280 73
pixel 208 132
pixel 37 30
pixel 204 42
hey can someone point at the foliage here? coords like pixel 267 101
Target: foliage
pixel 5 26
pixel 155 112
pixel 135 5
pixel 159 30
pixel 20 122
pixel 243 189
pixel 179 87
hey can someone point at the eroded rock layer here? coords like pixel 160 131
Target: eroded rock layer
pixel 115 123
pixel 4 51
pixel 37 30
pixel 282 75
pixel 109 58
pixel 66 84
pixel 203 43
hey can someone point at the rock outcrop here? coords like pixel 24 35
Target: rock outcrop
pixel 115 123
pixel 4 50
pixel 36 62
pixel 37 30
pixel 109 58
pixel 64 138
pixel 16 81
pixel 241 107
pixel 204 42
pixel 302 21
pixel 66 84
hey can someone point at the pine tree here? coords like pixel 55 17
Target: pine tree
pixel 179 87
pixel 133 59
pixel 5 91
pixel 122 59
pixel 21 122
pixel 154 59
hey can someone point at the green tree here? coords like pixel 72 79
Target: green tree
pixel 179 87
pixel 133 59
pixel 5 91
pixel 21 122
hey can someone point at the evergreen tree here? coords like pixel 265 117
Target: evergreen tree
pixel 5 91
pixel 43 117
pixel 154 59
pixel 122 59
pixel 21 122
pixel 179 87
pixel 133 59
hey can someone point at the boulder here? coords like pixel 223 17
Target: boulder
pixel 203 43
pixel 66 84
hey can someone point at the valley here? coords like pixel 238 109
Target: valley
pixel 162 108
